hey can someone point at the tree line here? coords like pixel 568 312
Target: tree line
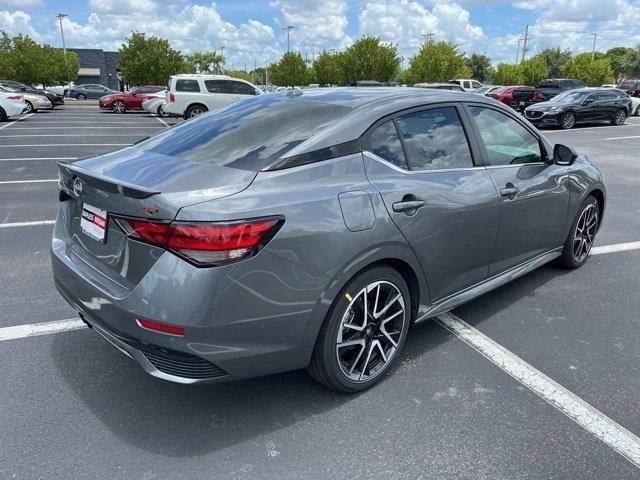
pixel 147 59
pixel 24 60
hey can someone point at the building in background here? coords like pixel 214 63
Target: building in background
pixel 98 66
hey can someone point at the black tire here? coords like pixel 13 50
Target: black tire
pixel 119 106
pixel 81 96
pixel 637 114
pixel 377 353
pixel 567 120
pixel 30 108
pixel 65 93
pixel 194 111
pixel 619 118
pixel 162 113
pixel 3 115
pixel 570 259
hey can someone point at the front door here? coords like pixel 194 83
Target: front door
pixel 534 197
pixel 445 205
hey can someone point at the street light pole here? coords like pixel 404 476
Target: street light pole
pixel 222 55
pixel 428 36
pixel 288 29
pixel 519 41
pixel 60 17
pixel 593 49
pixel 524 45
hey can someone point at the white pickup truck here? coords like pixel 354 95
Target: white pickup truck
pixel 189 95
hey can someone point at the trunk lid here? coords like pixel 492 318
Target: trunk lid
pixel 134 183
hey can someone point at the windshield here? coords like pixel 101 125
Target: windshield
pixel 249 135
pixel 570 96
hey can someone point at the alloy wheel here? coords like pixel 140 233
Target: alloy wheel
pixel 119 107
pixel 370 330
pixel 29 106
pixel 195 111
pixel 585 232
pixel 568 120
pixel 621 116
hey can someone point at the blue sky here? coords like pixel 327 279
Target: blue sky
pixel 251 30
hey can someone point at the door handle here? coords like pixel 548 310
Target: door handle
pixel 409 207
pixel 509 191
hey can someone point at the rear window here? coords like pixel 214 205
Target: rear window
pixel 248 135
pixel 183 85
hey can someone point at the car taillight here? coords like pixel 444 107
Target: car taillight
pixel 14 97
pixel 205 244
pixel 161 327
pixel 171 97
pixel 536 96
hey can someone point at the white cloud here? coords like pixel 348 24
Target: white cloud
pixel 318 25
pixel 21 3
pixel 17 22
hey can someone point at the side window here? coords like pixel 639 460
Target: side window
pixel 475 84
pixel 242 88
pixel 218 86
pixel 467 84
pixel 183 85
pixel 386 144
pixel 608 96
pixel 507 142
pixel 434 139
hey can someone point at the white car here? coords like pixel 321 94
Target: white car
pixel 189 95
pixel 12 105
pixel 468 84
pixel 156 104
pixel 635 101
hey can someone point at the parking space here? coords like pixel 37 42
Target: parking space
pixel 448 411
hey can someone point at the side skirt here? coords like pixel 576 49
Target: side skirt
pixel 427 311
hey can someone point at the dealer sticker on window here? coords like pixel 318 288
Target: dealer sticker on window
pixel 93 222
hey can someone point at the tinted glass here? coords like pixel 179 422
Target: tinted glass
pixel 434 139
pixel 242 88
pixel 548 85
pixel 607 96
pixel 571 96
pixel 507 142
pixel 385 143
pixel 475 84
pixel 218 86
pixel 183 85
pixel 246 135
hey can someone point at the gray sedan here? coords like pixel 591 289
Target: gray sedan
pixel 310 229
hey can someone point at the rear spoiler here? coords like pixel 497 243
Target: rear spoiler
pixel 69 172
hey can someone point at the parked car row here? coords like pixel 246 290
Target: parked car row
pixel 33 96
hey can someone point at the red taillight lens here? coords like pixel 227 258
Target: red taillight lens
pixel 161 327
pixel 205 244
pixel 14 97
pixel 171 97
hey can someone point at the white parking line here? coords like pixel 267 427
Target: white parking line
pixel 600 127
pixel 622 138
pixel 161 121
pixel 588 417
pixel 68 145
pixel 28 159
pixel 15 121
pixel 11 182
pixel 73 135
pixel 156 127
pixel 27 224
pixel 35 329
pixel 617 247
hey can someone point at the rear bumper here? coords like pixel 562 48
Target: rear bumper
pixel 243 320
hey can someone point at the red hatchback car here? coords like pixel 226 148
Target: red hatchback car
pixel 132 100
pixel 517 97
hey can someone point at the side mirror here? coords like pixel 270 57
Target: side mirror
pixel 564 155
pixel 588 101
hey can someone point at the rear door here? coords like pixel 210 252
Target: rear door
pixel 423 164
pixel 534 199
pixel 222 93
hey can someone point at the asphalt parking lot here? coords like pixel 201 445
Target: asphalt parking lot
pixel 75 407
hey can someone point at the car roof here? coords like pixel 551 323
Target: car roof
pixel 369 105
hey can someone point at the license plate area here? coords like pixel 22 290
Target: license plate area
pixel 93 222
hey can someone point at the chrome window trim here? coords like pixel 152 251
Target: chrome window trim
pixel 387 163
pixel 516 165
